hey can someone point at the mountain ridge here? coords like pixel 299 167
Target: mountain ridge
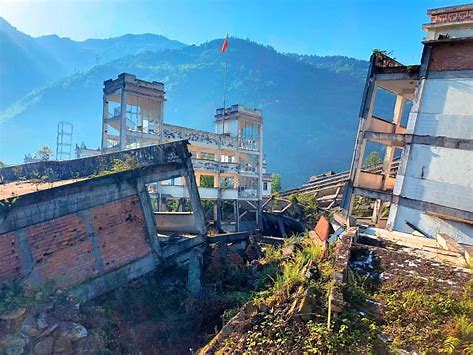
pixel 307 113
pixel 39 61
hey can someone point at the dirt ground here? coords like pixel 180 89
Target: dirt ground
pixel 18 188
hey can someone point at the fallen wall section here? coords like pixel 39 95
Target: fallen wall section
pixel 100 230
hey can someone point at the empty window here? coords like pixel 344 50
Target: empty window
pixel 207 181
pixel 207 156
pixel 227 183
pixel 227 159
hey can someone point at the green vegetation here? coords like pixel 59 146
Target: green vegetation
pixel 6 205
pixel 43 153
pixel 417 314
pixel 285 87
pixel 298 276
pixel 428 321
pixel 310 208
pixel 2 164
pixel 120 165
pixel 362 206
pixel 14 295
pixel 207 181
pixel 275 183
pixel 372 160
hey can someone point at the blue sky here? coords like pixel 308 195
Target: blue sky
pixel 345 27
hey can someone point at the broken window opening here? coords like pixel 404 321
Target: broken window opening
pixel 207 181
pixel 249 136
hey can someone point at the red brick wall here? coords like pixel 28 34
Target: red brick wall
pixel 62 248
pixel 452 57
pixel 121 231
pixel 10 262
pixel 456 16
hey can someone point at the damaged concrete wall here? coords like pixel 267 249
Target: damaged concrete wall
pixel 92 228
pixel 90 166
pixel 435 184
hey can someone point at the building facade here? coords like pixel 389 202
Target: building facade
pixel 229 164
pixel 430 128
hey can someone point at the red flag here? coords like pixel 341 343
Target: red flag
pixel 224 45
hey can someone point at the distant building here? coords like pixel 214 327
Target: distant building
pixel 228 164
pixel 30 159
pixel 430 127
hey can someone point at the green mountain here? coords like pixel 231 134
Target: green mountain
pixel 310 104
pixel 28 63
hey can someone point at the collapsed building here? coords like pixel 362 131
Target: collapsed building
pixel 229 164
pixel 80 222
pixel 432 191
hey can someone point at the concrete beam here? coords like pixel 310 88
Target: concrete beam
pixel 383 196
pixel 194 197
pixel 90 289
pixel 175 152
pixel 148 214
pixel 401 139
pixel 445 142
pixel 432 208
pixel 229 238
pixel 182 246
pixel 394 139
pixel 59 201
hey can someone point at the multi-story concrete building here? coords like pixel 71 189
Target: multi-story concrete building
pixel 228 164
pixel 431 128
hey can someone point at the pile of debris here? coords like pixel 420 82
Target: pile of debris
pixel 339 289
pixel 44 322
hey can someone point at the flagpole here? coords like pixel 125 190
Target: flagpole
pixel 224 93
pixel 225 88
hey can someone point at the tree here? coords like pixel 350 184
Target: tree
pixel 206 181
pixel 275 183
pixel 2 164
pixel 43 153
pixel 372 160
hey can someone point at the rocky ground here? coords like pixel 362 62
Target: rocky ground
pixel 395 302
pixel 153 314
pixel 420 305
pixel 280 301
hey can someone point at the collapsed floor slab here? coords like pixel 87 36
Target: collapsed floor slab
pixel 98 230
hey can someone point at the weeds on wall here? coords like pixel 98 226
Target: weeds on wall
pixel 119 165
pixel 298 277
pixel 417 316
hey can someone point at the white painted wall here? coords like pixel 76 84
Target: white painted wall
pixel 231 126
pixel 445 110
pixel 432 225
pixel 442 176
pixel 204 192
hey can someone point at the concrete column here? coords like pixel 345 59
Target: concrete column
pixel 194 271
pixel 161 120
pixel 390 150
pixel 104 125
pixel 260 179
pixel 218 213
pixel 359 163
pixel 26 256
pixel 236 212
pixel 148 214
pixel 195 198
pixel 378 204
pixel 123 127
pixel 366 112
pixel 87 220
pixel 398 109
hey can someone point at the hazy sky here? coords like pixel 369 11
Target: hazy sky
pixel 346 27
